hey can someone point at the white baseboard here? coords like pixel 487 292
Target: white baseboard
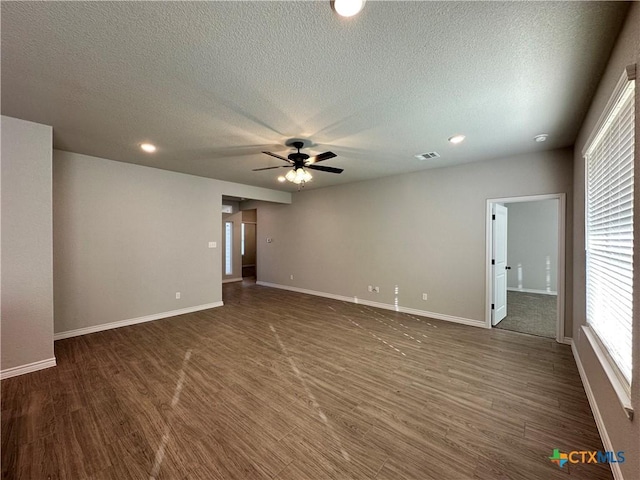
pixel 531 290
pixel 606 441
pixel 385 306
pixel 133 321
pixel 308 292
pixel 230 280
pixel 28 368
pixel 567 341
pixel 441 316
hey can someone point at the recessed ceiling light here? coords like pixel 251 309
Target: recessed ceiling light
pixel 456 139
pixel 541 138
pixel 347 8
pixel 281 179
pixel 148 147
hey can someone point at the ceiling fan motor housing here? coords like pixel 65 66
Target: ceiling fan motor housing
pixel 297 157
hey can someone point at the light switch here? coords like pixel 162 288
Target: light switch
pixel 213 244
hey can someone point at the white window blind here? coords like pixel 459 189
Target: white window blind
pixel 242 241
pixel 609 230
pixel 228 248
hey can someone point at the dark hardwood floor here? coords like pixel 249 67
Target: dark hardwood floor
pixel 279 385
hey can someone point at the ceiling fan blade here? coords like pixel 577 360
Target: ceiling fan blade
pixel 278 156
pixel 324 169
pixel 270 168
pixel 322 156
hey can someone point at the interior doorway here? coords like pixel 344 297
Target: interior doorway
pixel 525 264
pixel 249 247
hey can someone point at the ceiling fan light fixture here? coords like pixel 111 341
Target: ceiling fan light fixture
pixel 291 175
pixel 301 176
pixel 347 8
pixel 298 176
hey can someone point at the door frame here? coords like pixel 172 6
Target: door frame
pixel 562 206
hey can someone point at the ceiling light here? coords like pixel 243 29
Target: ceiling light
pixel 457 139
pixel 148 147
pixel 307 176
pixel 291 175
pixel 298 176
pixel 281 179
pixel 347 8
pixel 541 138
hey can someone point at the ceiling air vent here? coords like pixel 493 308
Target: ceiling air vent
pixel 428 155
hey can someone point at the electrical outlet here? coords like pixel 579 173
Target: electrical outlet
pixel 370 288
pixel 376 289
pixel 177 295
pixel 291 277
pixel 424 296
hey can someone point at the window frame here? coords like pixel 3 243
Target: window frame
pixel 619 382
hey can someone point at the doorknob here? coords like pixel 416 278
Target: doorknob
pixel 507 268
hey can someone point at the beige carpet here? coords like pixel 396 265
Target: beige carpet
pixel 530 313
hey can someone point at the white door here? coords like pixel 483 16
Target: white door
pixel 499 264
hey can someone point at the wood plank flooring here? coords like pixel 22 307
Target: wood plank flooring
pixel 279 385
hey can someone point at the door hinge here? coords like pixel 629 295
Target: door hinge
pixel 493 261
pixel 493 217
pixel 493 306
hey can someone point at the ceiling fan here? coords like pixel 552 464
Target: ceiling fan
pixel 300 163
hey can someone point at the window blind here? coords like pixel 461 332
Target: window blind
pixel 228 248
pixel 609 231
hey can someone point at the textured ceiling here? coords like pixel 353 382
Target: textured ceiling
pixel 214 83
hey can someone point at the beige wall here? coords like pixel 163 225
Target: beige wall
pixel 532 238
pixel 422 232
pixel 128 237
pixel 27 284
pixel 624 434
pixel 235 206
